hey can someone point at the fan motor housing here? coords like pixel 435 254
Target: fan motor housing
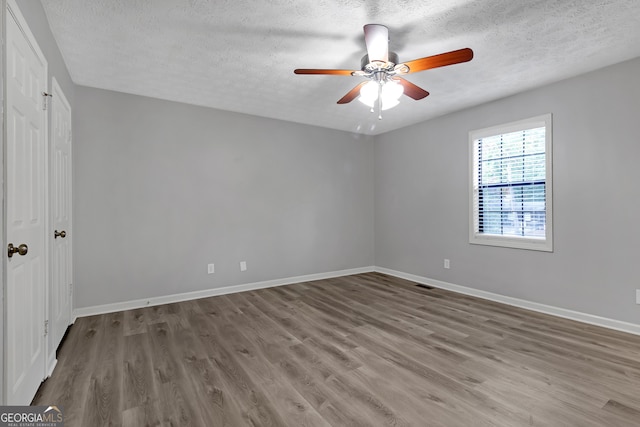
pixel 364 63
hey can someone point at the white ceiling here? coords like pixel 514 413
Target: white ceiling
pixel 239 55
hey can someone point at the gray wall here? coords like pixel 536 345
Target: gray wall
pixel 162 189
pixel 422 207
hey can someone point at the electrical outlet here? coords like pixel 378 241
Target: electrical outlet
pixel 447 264
pixel 211 269
pixel 243 265
pixel 637 296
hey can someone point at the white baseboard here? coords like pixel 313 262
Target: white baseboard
pixel 51 364
pixel 534 306
pixel 618 325
pixel 148 302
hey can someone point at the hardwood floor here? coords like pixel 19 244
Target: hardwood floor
pixel 361 350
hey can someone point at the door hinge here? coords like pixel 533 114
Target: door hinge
pixel 46 328
pixel 45 96
pixel 70 288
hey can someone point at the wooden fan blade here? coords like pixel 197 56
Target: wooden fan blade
pixel 441 60
pixel 352 94
pixel 320 71
pixel 411 90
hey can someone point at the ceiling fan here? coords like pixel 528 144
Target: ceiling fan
pixel 381 67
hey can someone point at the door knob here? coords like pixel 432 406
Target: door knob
pixel 20 250
pixel 57 234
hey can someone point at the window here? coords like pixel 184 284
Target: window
pixel 510 192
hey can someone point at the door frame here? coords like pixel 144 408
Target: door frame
pixel 3 241
pixel 10 7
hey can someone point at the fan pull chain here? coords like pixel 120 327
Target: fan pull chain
pixel 379 101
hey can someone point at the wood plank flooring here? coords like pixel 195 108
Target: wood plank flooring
pixel 362 350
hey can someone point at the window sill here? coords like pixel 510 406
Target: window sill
pixel 544 245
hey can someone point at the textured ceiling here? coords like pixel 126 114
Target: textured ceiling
pixel 239 55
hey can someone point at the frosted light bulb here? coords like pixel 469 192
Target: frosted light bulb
pixel 390 103
pixel 392 90
pixel 369 93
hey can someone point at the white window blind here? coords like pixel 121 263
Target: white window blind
pixel 511 185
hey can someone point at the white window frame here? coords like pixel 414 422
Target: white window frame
pixel 541 244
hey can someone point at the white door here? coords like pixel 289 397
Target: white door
pixel 26 212
pixel 60 293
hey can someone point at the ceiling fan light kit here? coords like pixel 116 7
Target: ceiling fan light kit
pixel 381 67
pixel 388 92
